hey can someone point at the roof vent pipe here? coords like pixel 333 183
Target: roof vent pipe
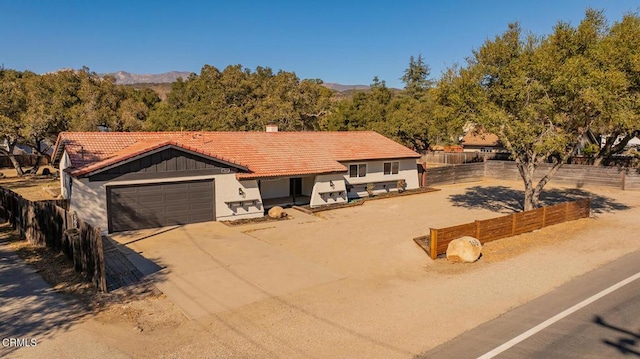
pixel 272 127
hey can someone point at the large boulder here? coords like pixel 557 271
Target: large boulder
pixel 277 212
pixel 464 250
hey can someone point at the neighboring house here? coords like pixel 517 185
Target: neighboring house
pixel 474 141
pixel 124 181
pixel 22 149
pixel 634 142
pixel 588 139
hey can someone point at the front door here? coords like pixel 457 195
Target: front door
pixel 295 186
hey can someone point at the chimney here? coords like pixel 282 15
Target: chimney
pixel 272 127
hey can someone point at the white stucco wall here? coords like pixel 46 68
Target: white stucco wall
pixel 227 190
pixel 337 193
pixel 407 170
pixel 89 199
pixel 65 179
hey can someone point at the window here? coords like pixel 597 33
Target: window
pixel 391 168
pixel 70 186
pixel 358 170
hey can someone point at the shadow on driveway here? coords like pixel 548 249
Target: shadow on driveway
pixel 503 199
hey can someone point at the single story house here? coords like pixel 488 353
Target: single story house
pixel 633 142
pixel 474 141
pixel 122 181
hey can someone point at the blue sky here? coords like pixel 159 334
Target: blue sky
pixel 348 42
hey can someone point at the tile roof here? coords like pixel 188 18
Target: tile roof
pixel 264 154
pixel 481 139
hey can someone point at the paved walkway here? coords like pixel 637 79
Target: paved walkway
pixel 30 309
pixel 119 270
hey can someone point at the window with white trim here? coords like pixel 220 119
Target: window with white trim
pixel 391 168
pixel 358 170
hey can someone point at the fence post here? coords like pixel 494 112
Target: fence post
pixel 588 214
pixel 477 229
pixel 566 211
pixel 100 265
pixel 424 174
pixel 433 241
pixel 544 216
pixel 513 224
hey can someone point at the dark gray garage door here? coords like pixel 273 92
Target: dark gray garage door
pixel 161 204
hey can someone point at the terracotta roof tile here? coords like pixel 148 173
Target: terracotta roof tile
pixel 481 139
pixel 265 154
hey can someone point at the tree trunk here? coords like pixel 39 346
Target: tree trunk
pixel 610 149
pixel 15 164
pixel 532 193
pixel 40 154
pixel 13 159
pixel 526 168
pixel 597 162
pixel 36 166
pixel 528 198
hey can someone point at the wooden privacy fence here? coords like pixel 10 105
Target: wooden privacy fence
pixel 569 174
pixel 506 226
pixel 46 223
pixel 469 172
pixel 458 158
pixel 23 160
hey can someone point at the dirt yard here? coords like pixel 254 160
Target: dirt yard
pixel 33 188
pixel 393 301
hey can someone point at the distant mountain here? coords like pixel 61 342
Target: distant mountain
pixel 127 78
pixel 342 88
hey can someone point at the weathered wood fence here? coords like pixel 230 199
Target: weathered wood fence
pixel 47 223
pixel 569 174
pixel 470 172
pixel 23 160
pixel 458 158
pixel 506 226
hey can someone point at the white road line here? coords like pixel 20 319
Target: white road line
pixel 557 317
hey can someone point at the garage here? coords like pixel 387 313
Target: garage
pixel 140 206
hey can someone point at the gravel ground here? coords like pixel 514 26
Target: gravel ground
pixel 394 301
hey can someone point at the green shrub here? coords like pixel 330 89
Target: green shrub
pixel 591 149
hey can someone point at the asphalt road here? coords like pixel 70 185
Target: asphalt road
pixel 607 327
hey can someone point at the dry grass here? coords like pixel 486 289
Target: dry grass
pixel 138 307
pixel 58 271
pixel 33 188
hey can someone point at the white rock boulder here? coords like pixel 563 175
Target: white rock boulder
pixel 277 212
pixel 464 250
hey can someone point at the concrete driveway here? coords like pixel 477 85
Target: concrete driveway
pixel 206 268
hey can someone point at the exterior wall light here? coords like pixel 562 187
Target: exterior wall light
pixel 241 192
